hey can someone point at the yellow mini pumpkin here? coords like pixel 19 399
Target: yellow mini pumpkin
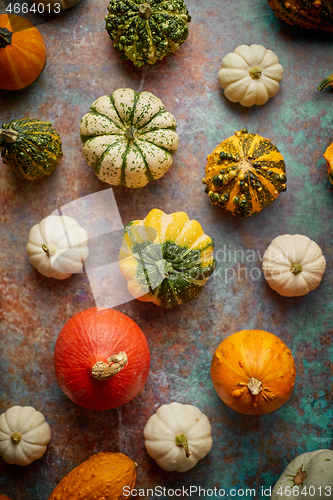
pixel 245 173
pixel 166 259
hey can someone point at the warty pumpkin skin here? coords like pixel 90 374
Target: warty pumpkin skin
pixel 305 13
pixel 22 52
pixel 253 372
pixel 101 359
pixel 166 259
pixel 31 148
pixel 103 475
pixel 145 32
pixel 244 174
pixel 129 138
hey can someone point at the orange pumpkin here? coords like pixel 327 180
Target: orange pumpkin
pixel 105 475
pixel 4 497
pixel 328 155
pixel 253 372
pixel 22 52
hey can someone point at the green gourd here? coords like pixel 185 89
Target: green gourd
pixel 31 148
pixel 145 32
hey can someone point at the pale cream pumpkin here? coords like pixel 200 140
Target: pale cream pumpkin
pixel 309 475
pixel 177 436
pixel 24 435
pixel 129 138
pixel 250 75
pixel 57 246
pixel 293 265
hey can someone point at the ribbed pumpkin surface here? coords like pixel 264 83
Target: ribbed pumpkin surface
pixel 167 259
pixel 23 59
pixel 36 151
pixel 257 354
pixel 145 32
pixel 129 138
pixel 244 174
pixel 305 13
pixel 102 476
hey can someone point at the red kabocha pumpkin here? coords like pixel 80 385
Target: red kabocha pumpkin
pixel 101 359
pixel 22 52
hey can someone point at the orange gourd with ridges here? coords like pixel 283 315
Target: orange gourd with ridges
pixel 101 476
pixel 22 52
pixel 253 372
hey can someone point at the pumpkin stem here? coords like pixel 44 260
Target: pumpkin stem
pixel 9 135
pixel 5 37
pixel 145 11
pixel 181 440
pixel 296 268
pixel 326 82
pixel 255 386
pixel 255 73
pixel 300 476
pixel 16 438
pixel 131 134
pixel 103 371
pixel 50 251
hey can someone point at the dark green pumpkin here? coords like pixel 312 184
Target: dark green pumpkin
pixel 31 148
pixel 147 32
pixel 305 13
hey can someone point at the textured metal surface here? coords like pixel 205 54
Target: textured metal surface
pixel 248 452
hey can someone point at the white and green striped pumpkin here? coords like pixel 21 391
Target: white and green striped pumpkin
pixel 129 138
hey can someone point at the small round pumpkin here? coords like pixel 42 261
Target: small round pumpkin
pixel 328 155
pixel 177 436
pixel 244 174
pixel 250 75
pixel 31 148
pixel 24 435
pixel 22 52
pixel 104 475
pixel 166 259
pixel 315 14
pixel 57 246
pixel 147 31
pixel 293 265
pixel 129 138
pixel 101 359
pixel 309 475
pixel 253 372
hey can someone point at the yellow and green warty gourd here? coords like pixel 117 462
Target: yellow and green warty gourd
pixel 244 174
pixel 31 148
pixel 166 259
pixel 129 138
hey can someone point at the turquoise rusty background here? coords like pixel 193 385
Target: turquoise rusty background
pixel 248 452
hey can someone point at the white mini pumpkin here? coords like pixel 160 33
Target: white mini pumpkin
pixel 309 475
pixel 293 265
pixel 24 435
pixel 129 138
pixel 57 246
pixel 177 436
pixel 250 75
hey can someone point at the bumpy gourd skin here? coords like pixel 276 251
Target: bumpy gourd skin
pixel 36 150
pixel 244 174
pixel 145 32
pixel 306 13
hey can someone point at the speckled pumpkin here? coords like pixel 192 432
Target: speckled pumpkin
pixel 244 174
pixel 145 32
pixel 306 13
pixel 129 138
pixel 167 259
pixel 103 475
pixel 31 148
